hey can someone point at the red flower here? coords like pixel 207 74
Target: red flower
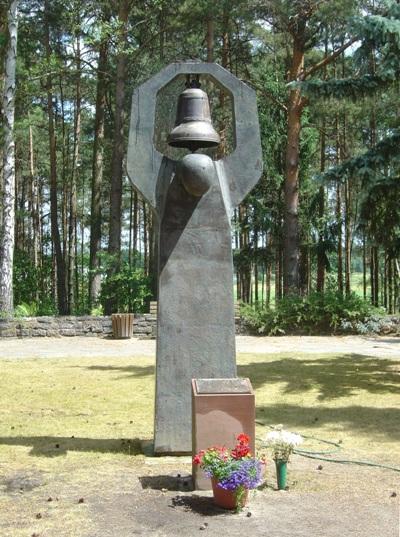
pixel 240 451
pixel 199 457
pixel 243 439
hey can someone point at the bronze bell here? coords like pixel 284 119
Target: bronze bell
pixel 193 128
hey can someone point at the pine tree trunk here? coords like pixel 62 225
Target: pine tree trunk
pixel 396 278
pixel 339 220
pixel 263 273
pixel 372 275
pixel 347 240
pixel 268 284
pixel 7 229
pixel 97 178
pixel 291 240
pixel 153 255
pixel 145 241
pixel 245 268
pixel 55 233
pixel 385 280
pixel 304 270
pixel 20 180
pixel 340 235
pixel 65 151
pixel 222 148
pixel 35 217
pixel 135 226
pixel 114 241
pixel 72 225
pixel 390 286
pixel 130 227
pixel 376 275
pixel 255 253
pixel 278 274
pixel 364 268
pixel 321 213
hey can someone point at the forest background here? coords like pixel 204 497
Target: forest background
pixel 317 241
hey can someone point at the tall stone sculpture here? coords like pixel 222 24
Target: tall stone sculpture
pixel 193 200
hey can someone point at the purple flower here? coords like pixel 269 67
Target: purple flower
pixel 244 473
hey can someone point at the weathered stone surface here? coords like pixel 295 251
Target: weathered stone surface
pixel 45 320
pixel 143 329
pixel 38 333
pixel 220 386
pixel 144 326
pixel 24 332
pixel 68 332
pixel 53 333
pixel 8 332
pixel 71 326
pixel 196 328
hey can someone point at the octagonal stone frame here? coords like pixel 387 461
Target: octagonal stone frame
pixel 243 167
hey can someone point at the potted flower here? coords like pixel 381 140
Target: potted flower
pixel 232 471
pixel 282 444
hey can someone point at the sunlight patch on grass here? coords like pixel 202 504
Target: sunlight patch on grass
pixel 351 398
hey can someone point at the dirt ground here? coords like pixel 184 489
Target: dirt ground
pixel 150 496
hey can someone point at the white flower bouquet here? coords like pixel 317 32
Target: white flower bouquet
pixel 282 443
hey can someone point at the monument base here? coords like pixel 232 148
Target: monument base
pixel 222 409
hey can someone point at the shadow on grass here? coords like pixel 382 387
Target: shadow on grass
pixel 131 370
pixel 379 424
pixel 336 376
pixel 54 446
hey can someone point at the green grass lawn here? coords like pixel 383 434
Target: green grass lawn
pixel 76 423
pixel 88 405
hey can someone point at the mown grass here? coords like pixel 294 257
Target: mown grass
pixel 91 405
pixel 72 423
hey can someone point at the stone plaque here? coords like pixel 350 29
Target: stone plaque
pixel 215 386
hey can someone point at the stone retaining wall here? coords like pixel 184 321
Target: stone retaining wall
pixel 144 325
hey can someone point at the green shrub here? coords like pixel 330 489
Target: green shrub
pixel 47 306
pixel 128 289
pixel 97 311
pixel 316 313
pixel 26 310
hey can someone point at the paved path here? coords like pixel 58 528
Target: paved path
pixel 91 346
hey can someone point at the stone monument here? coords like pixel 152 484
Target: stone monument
pixel 193 200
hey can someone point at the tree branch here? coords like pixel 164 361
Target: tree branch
pixel 269 95
pixel 328 59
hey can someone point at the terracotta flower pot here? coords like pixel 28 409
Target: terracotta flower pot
pixel 227 499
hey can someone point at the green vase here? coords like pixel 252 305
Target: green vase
pixel 281 473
